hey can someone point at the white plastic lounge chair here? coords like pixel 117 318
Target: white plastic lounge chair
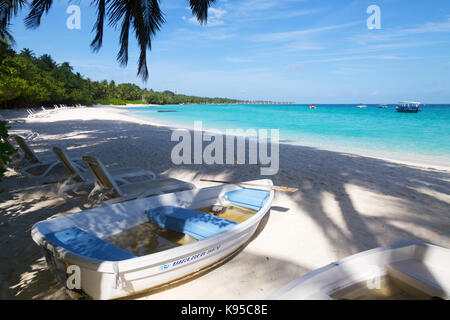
pixel 31 114
pixel 46 112
pixel 16 159
pixel 32 135
pixel 31 162
pixel 11 121
pixel 78 175
pixel 107 191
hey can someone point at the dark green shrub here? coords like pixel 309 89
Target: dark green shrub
pixel 6 150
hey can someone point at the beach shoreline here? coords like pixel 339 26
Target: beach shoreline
pixel 420 160
pixel 347 203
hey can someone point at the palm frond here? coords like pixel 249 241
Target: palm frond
pixel 37 9
pixel 200 9
pixel 145 27
pixel 144 16
pixel 6 37
pixel 96 44
pixel 8 9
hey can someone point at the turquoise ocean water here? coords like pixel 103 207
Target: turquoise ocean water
pixel 334 127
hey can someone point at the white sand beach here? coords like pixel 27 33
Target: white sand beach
pixel 346 204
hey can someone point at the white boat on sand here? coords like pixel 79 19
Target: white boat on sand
pixel 405 271
pixel 131 247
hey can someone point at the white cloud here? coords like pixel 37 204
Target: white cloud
pixel 237 59
pixel 354 58
pixel 214 17
pixel 254 10
pixel 293 67
pixel 396 34
pixel 294 35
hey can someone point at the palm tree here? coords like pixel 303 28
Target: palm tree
pixel 143 16
pixel 25 52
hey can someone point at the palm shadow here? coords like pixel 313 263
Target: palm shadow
pixel 422 193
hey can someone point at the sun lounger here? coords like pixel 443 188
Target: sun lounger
pixel 107 191
pixel 11 121
pixel 31 114
pixel 78 175
pixel 31 162
pixel 16 158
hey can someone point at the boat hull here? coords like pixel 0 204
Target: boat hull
pixel 421 267
pixel 111 280
pixel 408 110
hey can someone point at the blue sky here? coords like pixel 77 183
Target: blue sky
pixel 308 51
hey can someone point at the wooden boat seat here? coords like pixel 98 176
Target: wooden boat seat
pixel 199 225
pixel 87 245
pixel 434 281
pixel 248 198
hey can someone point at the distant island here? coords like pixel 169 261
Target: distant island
pixel 30 81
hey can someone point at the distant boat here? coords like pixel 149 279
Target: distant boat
pixel 361 106
pixel 312 107
pixel 383 106
pixel 408 107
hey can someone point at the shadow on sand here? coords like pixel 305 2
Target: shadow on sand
pixel 418 190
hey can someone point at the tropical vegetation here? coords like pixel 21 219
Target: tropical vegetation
pixel 30 81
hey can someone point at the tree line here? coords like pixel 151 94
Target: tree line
pixel 30 81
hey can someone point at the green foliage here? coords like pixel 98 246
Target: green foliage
pixel 118 102
pixel 30 81
pixel 6 150
pixel 168 97
pixel 27 81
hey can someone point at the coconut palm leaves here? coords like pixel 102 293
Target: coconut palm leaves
pixel 200 9
pixel 144 17
pixel 8 9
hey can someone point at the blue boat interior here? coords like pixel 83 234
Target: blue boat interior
pixel 201 225
pixel 253 199
pixel 88 245
pixel 197 224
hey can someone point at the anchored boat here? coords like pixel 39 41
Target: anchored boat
pixel 131 247
pixel 413 270
pixel 408 107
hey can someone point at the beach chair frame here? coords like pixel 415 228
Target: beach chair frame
pixel 31 160
pixel 107 191
pixel 76 178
